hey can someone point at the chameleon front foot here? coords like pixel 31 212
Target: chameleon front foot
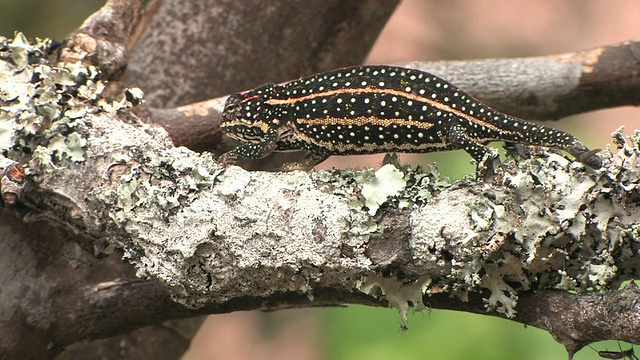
pixel 486 168
pixel 227 159
pixel 312 159
pixel 292 166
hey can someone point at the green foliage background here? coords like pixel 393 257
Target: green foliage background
pixel 365 333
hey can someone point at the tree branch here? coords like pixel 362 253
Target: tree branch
pixel 310 238
pixel 233 46
pixel 103 39
pixel 550 87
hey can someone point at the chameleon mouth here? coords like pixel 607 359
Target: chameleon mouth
pixel 245 138
pixel 244 130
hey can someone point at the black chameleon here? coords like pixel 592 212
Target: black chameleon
pixel 374 109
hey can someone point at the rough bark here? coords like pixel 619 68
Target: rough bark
pixel 550 87
pixel 218 47
pixel 105 41
pixel 397 236
pixel 101 182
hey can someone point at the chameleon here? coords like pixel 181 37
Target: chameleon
pixel 375 109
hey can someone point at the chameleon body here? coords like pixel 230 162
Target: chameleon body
pixel 374 109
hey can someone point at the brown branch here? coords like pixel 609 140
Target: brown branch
pixel 104 38
pixel 578 320
pixel 550 87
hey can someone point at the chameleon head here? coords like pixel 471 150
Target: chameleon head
pixel 247 116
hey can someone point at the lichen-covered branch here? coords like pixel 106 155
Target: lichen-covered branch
pixel 224 239
pixel 104 38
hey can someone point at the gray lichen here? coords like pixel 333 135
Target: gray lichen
pixel 213 234
pixel 45 107
pixel 548 223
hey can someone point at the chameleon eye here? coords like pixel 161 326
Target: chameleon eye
pixel 232 107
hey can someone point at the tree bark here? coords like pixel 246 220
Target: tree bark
pixel 218 47
pixel 101 184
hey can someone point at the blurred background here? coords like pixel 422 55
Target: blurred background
pixel 419 30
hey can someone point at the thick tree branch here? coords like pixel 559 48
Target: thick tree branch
pixel 226 46
pixel 307 238
pixel 342 34
pixel 104 38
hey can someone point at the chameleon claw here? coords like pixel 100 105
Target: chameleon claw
pixel 486 168
pixel 516 150
pixel 226 159
pixel 294 166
